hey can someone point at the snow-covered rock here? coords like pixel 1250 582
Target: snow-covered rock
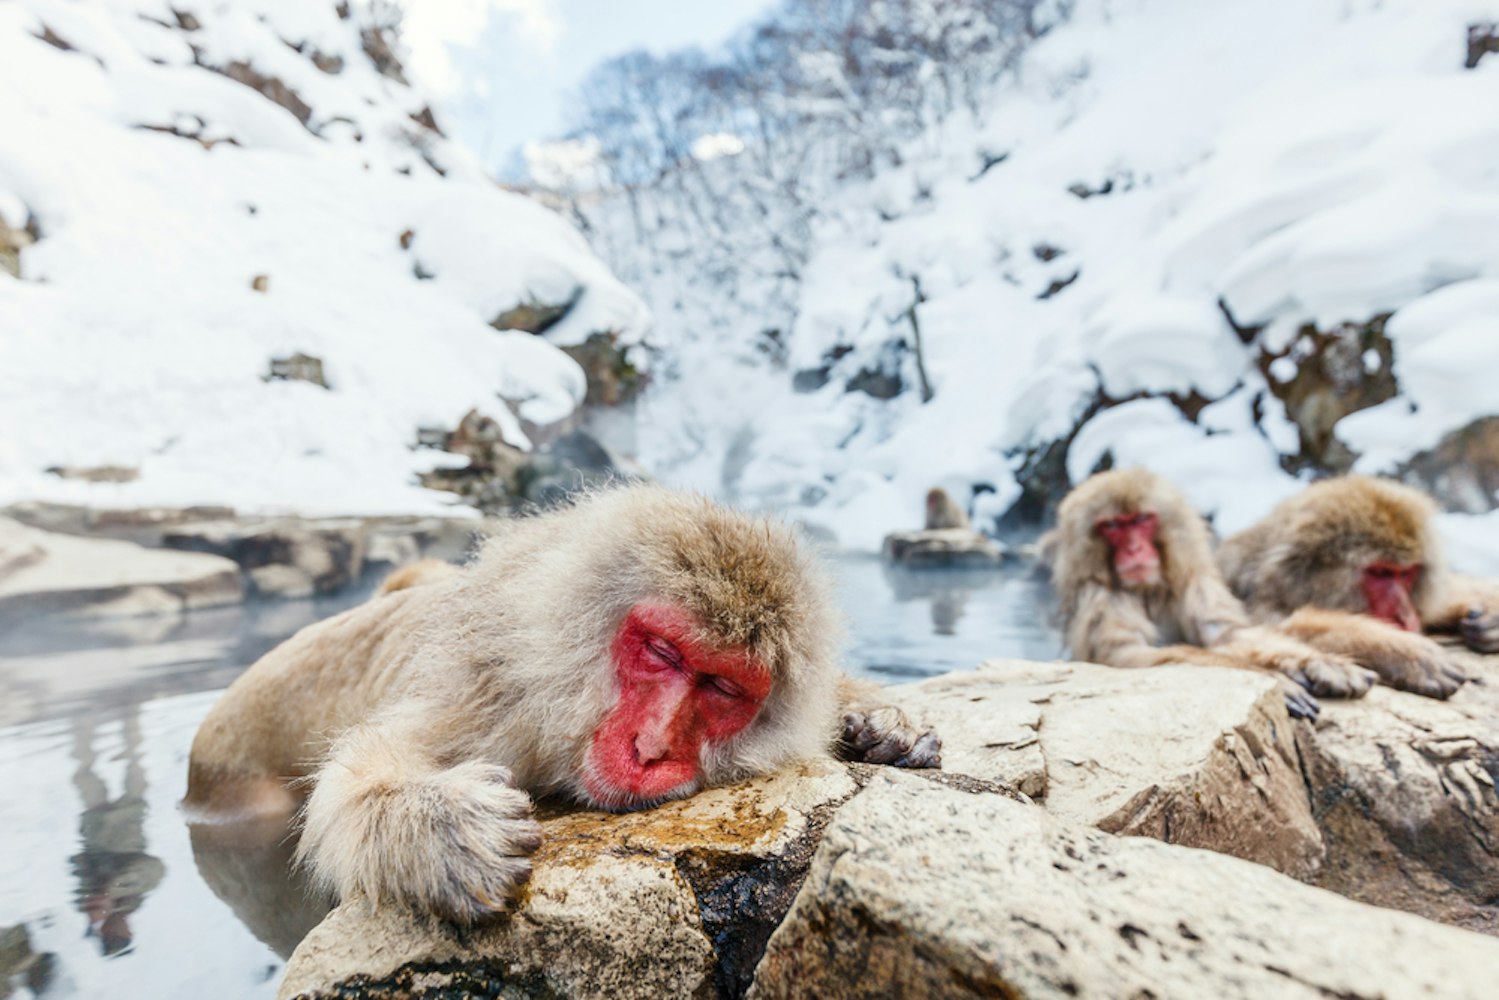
pixel 207 188
pixel 1163 239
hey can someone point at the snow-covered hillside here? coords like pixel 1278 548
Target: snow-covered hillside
pixel 198 188
pixel 1172 222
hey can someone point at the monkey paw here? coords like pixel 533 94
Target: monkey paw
pixel 456 843
pixel 886 736
pixel 1328 675
pixel 1431 674
pixel 1480 630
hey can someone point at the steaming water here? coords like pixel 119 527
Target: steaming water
pixel 103 892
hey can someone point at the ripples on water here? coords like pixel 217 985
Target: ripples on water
pixel 104 891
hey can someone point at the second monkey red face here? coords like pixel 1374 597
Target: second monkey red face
pixel 1131 537
pixel 676 695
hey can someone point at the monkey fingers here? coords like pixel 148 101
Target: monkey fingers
pixel 455 842
pixel 1299 701
pixel 1432 675
pixel 885 735
pixel 1328 675
pixel 1480 630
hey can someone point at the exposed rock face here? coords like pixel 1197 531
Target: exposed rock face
pixel 613 378
pixel 500 478
pixel 925 891
pixel 297 557
pixel 1194 756
pixel 298 367
pixel 15 236
pixel 958 548
pixel 1462 470
pixel 1403 788
pixel 533 316
pixel 1325 375
pixel 42 572
pixel 677 901
pixel 281 557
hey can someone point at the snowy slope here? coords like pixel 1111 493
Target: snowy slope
pixel 135 338
pixel 1303 161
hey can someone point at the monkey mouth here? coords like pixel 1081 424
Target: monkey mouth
pixel 619 782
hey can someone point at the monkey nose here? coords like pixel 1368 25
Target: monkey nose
pixel 651 747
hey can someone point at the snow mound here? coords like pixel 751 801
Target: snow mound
pixel 248 181
pixel 1137 225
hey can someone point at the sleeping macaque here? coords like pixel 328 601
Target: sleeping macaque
pixel 1133 565
pixel 633 648
pixel 942 511
pixel 1356 565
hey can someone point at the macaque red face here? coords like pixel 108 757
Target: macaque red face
pixel 675 696
pixel 1132 539
pixel 1387 590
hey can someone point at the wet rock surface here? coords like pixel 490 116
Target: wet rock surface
pixel 278 557
pixel 943 548
pixel 48 573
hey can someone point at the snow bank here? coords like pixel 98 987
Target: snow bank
pixel 1167 165
pixel 194 228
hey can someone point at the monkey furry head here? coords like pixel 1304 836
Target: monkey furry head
pixel 1313 548
pixel 631 648
pixel 590 600
pixel 1080 552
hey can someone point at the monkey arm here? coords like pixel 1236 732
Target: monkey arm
pixel 1470 607
pixel 1406 660
pixel 387 821
pixel 877 732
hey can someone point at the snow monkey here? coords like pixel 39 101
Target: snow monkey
pixel 1356 565
pixel 633 648
pixel 942 511
pixel 1133 565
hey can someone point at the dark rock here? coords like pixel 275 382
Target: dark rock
pixel 613 379
pixel 1462 471
pixel 943 548
pixel 96 473
pixel 1331 380
pixel 298 367
pixel 269 87
pixel 535 317
pixel 1483 39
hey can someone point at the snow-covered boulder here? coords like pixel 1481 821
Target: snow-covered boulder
pixel 209 190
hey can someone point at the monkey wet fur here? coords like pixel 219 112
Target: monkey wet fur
pixel 633 648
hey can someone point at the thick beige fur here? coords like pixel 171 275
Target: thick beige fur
pixel 1188 616
pixel 421 720
pixel 942 511
pixel 1306 559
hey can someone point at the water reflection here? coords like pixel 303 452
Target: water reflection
pixel 113 869
pixel 911 623
pixel 250 867
pixel 104 890
pixel 109 893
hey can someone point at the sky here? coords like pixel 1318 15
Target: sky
pixel 505 71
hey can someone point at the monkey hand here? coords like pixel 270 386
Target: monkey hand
pixel 884 735
pixel 1328 675
pixel 1299 702
pixel 455 843
pixel 1480 630
pixel 1430 673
